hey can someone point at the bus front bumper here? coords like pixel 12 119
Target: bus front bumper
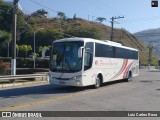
pixel 66 82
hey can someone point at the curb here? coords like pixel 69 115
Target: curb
pixel 21 84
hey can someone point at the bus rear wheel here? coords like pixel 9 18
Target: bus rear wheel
pixel 129 77
pixel 97 82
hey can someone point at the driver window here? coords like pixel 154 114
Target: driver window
pixel 88 56
pixel 87 60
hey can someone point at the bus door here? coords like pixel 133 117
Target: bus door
pixel 88 60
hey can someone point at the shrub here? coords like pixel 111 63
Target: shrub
pixel 24 63
pixel 27 62
pixel 4 68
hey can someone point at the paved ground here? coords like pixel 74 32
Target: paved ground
pixel 142 94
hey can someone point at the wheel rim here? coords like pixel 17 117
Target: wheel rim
pixel 97 82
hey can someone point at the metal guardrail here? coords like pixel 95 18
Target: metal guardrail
pixel 15 77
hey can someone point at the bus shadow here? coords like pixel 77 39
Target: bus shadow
pixel 38 90
pixel 113 82
pixel 47 89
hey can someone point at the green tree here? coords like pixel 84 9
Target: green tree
pixel 61 15
pixel 101 19
pixel 6 20
pixel 6 16
pixel 40 12
pixel 5 36
pixel 5 39
pixel 25 48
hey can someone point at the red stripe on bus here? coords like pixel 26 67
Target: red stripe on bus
pixel 125 73
pixel 122 69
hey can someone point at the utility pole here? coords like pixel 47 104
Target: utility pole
pixel 150 53
pixel 13 60
pixel 112 23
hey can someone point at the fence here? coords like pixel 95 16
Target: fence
pixel 43 76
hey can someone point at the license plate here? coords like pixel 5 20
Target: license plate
pixel 61 82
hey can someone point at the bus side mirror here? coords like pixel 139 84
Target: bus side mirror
pixel 80 51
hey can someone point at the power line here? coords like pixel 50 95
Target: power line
pixel 49 9
pixel 145 19
pixel 44 6
pixel 94 3
pixel 56 22
pixel 104 9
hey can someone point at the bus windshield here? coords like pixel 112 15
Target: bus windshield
pixel 64 56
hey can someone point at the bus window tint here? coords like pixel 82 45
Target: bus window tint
pixel 125 53
pixel 88 56
pixel 104 50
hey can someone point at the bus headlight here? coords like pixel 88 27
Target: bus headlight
pixel 77 77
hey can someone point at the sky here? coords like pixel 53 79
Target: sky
pixel 138 14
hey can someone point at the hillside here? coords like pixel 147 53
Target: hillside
pixel 150 35
pixel 57 28
pixel 99 31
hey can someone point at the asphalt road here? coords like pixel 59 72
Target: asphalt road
pixel 141 94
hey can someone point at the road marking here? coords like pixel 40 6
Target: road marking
pixel 45 101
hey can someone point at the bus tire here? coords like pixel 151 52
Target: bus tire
pixel 129 77
pixel 97 82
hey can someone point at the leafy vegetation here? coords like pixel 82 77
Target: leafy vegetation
pixel 101 19
pixel 56 28
pixel 40 12
pixel 25 48
pixel 4 68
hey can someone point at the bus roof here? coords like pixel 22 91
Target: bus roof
pixel 107 42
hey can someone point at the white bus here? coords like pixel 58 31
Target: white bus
pixel 85 61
